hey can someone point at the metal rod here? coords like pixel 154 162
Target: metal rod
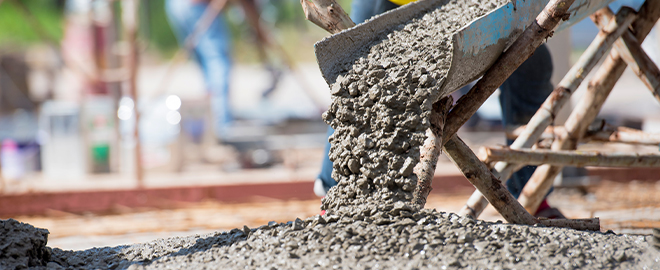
pixel 586 110
pixel 631 51
pixel 506 64
pixel 560 96
pixel 568 157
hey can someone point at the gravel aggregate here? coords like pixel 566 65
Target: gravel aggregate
pixel 380 111
pixel 381 106
pixel 385 240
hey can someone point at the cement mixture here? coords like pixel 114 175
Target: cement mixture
pixel 395 239
pixel 381 106
pixel 380 112
pixel 22 245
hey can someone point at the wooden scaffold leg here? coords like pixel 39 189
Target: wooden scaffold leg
pixel 444 132
pixel 327 14
pixel 600 132
pixel 505 65
pixel 568 158
pixel 587 109
pixel 555 102
pixel 472 168
pixel 483 179
pixel 631 51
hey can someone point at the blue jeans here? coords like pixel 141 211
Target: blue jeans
pixel 521 94
pixel 212 53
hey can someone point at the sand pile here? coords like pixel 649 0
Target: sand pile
pixel 380 111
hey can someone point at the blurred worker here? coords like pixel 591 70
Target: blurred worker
pixel 212 52
pixel 521 96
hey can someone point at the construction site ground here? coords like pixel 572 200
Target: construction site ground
pixel 622 207
pixel 214 200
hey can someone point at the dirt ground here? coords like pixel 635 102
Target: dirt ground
pixel 623 207
pixel 127 226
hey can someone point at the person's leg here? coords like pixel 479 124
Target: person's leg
pixel 521 96
pixel 361 10
pixel 178 16
pixel 324 180
pixel 213 53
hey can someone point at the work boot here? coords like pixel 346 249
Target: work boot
pixel 545 211
pixel 319 188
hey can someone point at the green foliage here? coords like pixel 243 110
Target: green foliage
pixel 156 29
pixel 284 20
pixel 15 28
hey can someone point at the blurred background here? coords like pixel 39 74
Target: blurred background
pixel 118 126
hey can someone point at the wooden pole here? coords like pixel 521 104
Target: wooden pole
pixel 631 51
pixel 586 110
pixel 492 188
pixel 558 98
pixel 475 205
pixel 567 157
pixel 473 169
pixel 605 133
pixel 511 210
pixel 585 224
pixel 624 135
pixel 430 151
pixel 129 18
pixel 327 14
pixel 506 64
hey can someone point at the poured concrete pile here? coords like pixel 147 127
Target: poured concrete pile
pixel 380 111
pixel 395 239
pixel 22 245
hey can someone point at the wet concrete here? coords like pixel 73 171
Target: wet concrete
pixel 380 112
pixel 383 240
pixel 381 106
pixel 22 245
